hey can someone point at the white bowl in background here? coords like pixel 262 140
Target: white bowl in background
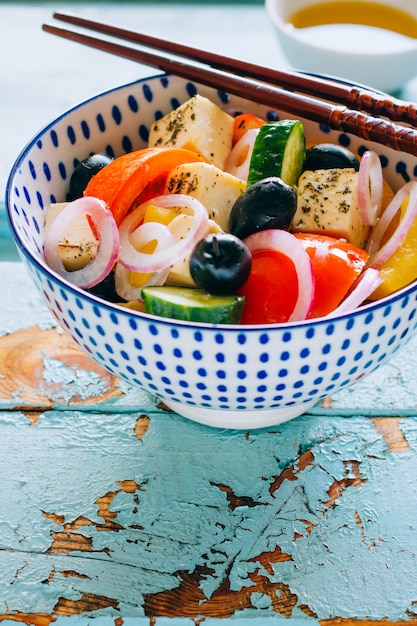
pixel 383 60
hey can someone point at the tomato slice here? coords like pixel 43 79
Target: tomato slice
pixel 122 182
pixel 336 264
pixel 271 290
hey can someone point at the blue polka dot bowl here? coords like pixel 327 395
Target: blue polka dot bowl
pixel 225 376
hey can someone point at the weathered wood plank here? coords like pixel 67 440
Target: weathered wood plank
pixel 134 515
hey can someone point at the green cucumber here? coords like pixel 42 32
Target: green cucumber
pixel 279 150
pixel 193 305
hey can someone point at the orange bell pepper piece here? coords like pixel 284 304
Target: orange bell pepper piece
pixel 121 183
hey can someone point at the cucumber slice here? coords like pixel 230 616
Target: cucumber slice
pixel 279 150
pixel 194 305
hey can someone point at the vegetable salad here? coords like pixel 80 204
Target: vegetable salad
pixel 226 219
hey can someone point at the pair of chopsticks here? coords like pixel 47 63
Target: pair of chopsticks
pixel 341 106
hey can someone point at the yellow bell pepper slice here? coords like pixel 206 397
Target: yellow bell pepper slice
pixel 401 268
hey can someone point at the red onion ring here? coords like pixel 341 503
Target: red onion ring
pixel 379 255
pixel 106 227
pixel 168 254
pixel 238 161
pixel 284 242
pixel 370 188
pixel 362 288
pixel 151 231
pixel 147 232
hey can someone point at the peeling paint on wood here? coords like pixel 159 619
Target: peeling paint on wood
pixel 167 528
pixel 390 429
pixel 44 367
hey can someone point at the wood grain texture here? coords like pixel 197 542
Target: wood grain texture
pixel 35 364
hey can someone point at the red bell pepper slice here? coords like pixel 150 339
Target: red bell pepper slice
pixel 121 183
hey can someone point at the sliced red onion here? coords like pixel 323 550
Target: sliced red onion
pixel 147 232
pixel 238 161
pixel 362 288
pixel 284 242
pixel 379 255
pixel 151 231
pixel 370 188
pixel 100 266
pixel 133 235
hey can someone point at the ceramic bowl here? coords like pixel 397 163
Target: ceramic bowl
pixel 225 376
pixel 385 61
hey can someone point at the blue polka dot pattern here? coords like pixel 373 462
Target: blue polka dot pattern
pixel 228 368
pixel 178 359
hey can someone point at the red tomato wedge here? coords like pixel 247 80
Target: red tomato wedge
pixel 336 265
pixel 271 290
pixel 280 286
pixel 121 183
pixel 244 122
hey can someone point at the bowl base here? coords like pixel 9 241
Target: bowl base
pixel 239 420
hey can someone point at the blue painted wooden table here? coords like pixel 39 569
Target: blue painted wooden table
pixel 112 507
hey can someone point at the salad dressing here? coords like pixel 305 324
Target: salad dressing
pixel 373 27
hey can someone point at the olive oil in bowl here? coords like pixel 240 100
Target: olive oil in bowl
pixel 362 26
pixel 366 42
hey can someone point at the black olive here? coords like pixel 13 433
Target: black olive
pixel 84 172
pixel 326 156
pixel 268 203
pixel 106 289
pixel 220 263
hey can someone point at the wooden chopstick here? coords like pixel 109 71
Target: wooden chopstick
pixel 354 97
pixel 402 138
